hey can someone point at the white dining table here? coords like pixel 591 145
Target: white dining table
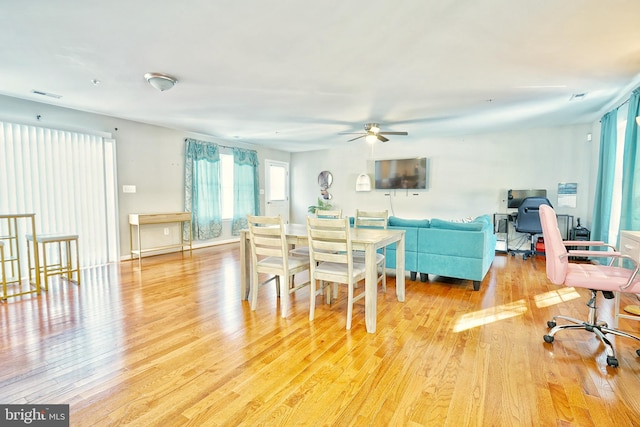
pixel 364 239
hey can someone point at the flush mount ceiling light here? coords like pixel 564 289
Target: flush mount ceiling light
pixel 160 81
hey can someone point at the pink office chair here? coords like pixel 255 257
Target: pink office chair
pixel 605 278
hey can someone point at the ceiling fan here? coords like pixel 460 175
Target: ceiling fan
pixel 372 133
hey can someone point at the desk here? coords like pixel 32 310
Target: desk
pixel 138 220
pixel 367 239
pixel 503 228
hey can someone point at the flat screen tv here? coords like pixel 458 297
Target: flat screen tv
pixel 515 197
pixel 410 174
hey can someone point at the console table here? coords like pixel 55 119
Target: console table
pixel 138 220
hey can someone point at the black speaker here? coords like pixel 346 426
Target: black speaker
pixel 503 225
pixel 579 233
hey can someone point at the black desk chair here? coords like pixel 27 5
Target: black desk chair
pixel 528 222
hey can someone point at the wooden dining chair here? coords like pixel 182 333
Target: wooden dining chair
pixel 370 219
pixel 270 255
pixel 304 250
pixel 332 261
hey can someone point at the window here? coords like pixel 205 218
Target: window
pixel 277 183
pixel 219 186
pixel 68 180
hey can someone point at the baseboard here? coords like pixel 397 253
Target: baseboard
pixel 194 246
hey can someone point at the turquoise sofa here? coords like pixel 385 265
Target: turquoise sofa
pixel 463 250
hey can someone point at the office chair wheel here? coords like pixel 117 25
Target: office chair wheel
pixel 548 338
pixel 638 352
pixel 612 361
pixel 551 324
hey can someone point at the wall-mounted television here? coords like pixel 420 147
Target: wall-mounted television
pixel 410 174
pixel 515 197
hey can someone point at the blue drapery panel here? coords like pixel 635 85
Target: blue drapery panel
pixel 202 189
pixel 245 188
pixel 630 212
pixel 606 176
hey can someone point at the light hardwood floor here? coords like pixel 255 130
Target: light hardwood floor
pixel 172 344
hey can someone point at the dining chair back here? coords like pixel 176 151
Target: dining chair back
pixel 371 219
pixel 270 255
pixel 331 256
pixel 329 214
pixel 374 219
pixel 304 250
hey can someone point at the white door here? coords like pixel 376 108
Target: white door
pixel 277 189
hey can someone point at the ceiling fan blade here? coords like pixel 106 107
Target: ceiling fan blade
pixel 393 133
pixel 351 133
pixel 357 137
pixel 381 138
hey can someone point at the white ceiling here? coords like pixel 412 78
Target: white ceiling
pixel 293 74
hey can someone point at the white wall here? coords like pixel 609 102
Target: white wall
pixel 149 157
pixel 468 176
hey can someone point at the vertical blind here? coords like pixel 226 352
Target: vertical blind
pixel 61 176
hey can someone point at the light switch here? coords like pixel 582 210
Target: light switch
pixel 128 188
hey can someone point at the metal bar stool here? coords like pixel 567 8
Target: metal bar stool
pixel 63 265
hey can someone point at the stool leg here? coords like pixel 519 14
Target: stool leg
pixel 67 245
pixel 4 274
pixel 77 262
pixel 29 260
pixel 44 266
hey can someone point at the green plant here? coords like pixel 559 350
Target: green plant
pixel 323 205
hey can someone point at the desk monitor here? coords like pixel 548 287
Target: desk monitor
pixel 515 197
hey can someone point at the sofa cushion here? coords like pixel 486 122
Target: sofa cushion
pixel 394 221
pixel 462 226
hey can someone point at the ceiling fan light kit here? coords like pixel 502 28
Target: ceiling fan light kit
pixel 372 133
pixel 373 127
pixel 161 81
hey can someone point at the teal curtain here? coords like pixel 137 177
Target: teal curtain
pixel 245 188
pixel 202 189
pixel 630 212
pixel 606 175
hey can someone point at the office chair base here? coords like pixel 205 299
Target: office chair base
pixel 599 328
pixel 525 253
